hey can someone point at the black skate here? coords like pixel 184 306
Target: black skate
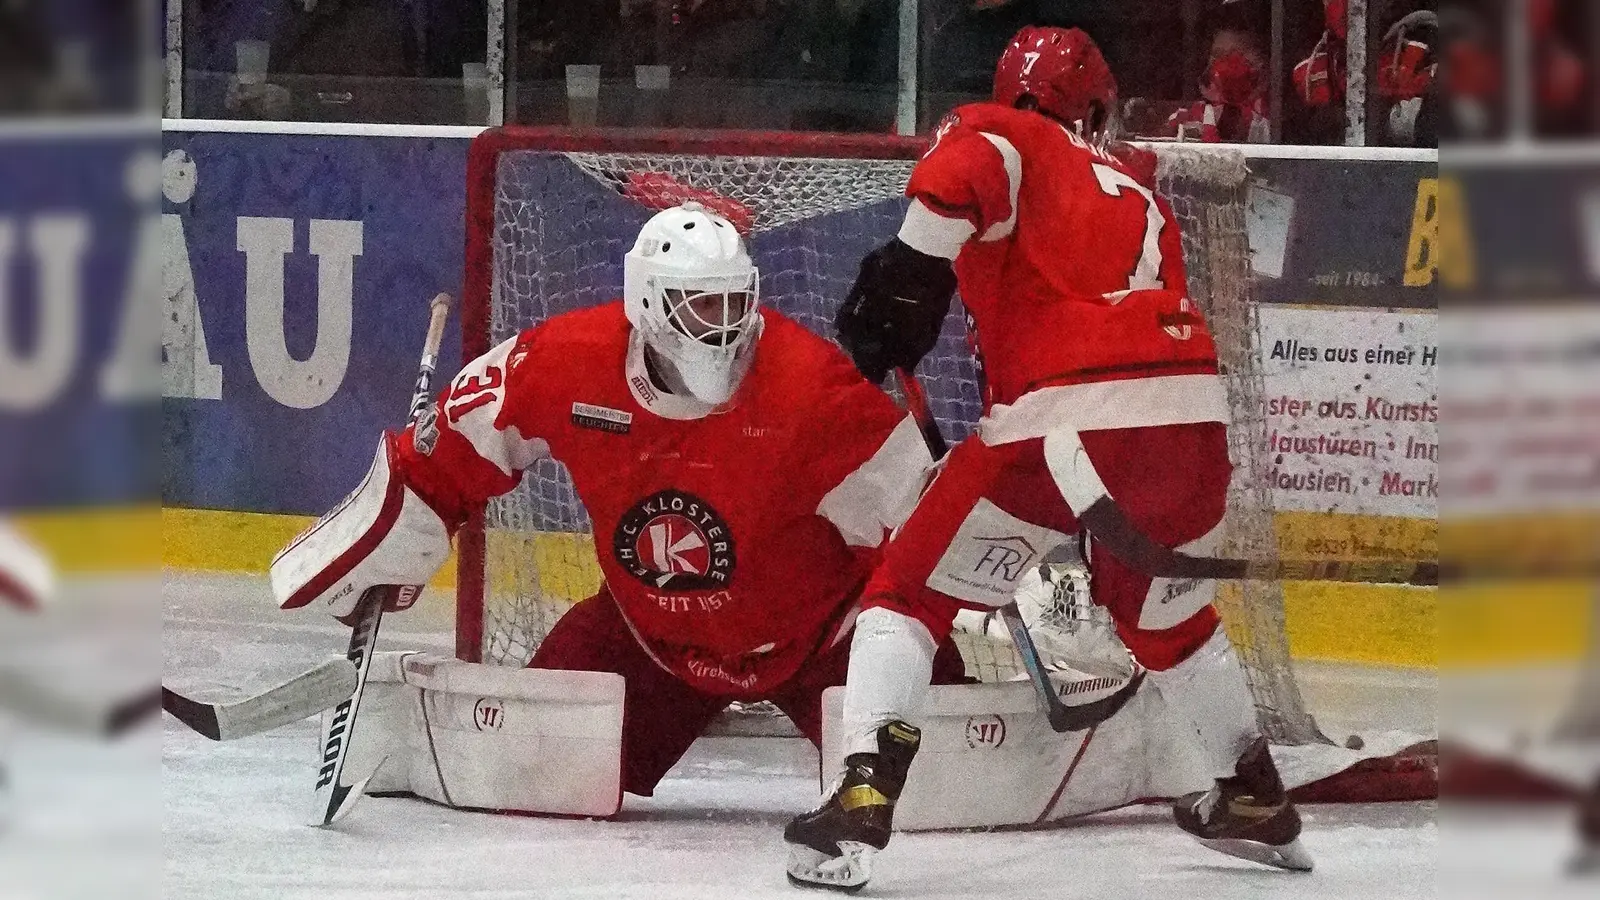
pixel 1247 815
pixel 832 846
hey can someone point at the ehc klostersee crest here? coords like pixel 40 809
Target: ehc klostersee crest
pixel 673 539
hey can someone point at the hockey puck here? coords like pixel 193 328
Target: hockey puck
pixel 1354 742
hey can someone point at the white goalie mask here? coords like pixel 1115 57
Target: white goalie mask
pixel 691 290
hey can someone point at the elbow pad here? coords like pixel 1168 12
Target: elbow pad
pixel 382 534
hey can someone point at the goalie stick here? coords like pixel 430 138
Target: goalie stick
pixel 302 696
pixel 334 798
pixel 1063 718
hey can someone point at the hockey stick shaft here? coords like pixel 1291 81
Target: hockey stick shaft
pixel 334 798
pixel 302 696
pixel 1063 718
pixel 1113 529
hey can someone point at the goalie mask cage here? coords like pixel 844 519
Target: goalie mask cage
pixel 550 214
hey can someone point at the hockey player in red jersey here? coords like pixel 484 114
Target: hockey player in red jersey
pixel 739 472
pixel 1101 380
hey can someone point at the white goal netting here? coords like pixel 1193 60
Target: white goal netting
pixel 561 224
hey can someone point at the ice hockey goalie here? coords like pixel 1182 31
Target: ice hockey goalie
pixel 740 475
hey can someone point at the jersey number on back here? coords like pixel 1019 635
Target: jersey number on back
pixel 1147 271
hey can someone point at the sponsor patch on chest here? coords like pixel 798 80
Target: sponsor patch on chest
pixel 674 540
pixel 601 418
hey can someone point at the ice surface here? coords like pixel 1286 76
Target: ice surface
pixel 81 818
pixel 233 813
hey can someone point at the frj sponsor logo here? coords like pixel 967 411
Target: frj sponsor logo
pixel 1003 558
pixel 489 714
pixel 987 732
pixel 673 539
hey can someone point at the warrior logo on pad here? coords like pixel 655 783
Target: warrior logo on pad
pixel 675 540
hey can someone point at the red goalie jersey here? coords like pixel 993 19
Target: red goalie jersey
pixel 734 543
pixel 1072 267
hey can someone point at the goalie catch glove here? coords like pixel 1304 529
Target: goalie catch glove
pixel 892 315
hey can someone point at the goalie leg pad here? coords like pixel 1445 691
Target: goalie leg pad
pixel 383 533
pixel 989 758
pixel 476 736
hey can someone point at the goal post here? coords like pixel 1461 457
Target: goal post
pixel 551 212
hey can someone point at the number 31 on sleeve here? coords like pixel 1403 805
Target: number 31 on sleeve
pixel 471 391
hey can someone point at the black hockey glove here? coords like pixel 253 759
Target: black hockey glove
pixel 892 316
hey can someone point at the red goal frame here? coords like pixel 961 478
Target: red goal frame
pixel 478 276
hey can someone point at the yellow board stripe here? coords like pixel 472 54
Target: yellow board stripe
pixel 209 540
pixel 1354 623
pixel 97 541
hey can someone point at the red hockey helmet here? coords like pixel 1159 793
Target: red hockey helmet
pixel 1064 73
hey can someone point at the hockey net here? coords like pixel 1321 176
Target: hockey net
pixel 551 214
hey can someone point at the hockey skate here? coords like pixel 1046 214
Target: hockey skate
pixel 832 846
pixel 1247 815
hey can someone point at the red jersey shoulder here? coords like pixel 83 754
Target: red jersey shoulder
pixel 801 359
pixel 1041 140
pixel 813 376
pixel 786 345
pixel 573 339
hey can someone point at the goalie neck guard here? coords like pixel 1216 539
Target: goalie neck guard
pixel 690 289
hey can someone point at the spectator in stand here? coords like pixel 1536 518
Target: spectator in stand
pixel 1233 96
pixel 1474 73
pixel 1319 82
pixel 1406 69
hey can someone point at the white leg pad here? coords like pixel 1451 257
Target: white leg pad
pixel 989 757
pixel 891 666
pixel 1210 699
pixel 492 737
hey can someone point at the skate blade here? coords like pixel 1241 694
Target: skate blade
pixel 845 873
pixel 1291 856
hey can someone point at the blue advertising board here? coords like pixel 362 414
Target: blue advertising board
pixel 299 271
pixel 77 343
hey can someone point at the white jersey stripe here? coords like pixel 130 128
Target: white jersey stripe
pixel 877 497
